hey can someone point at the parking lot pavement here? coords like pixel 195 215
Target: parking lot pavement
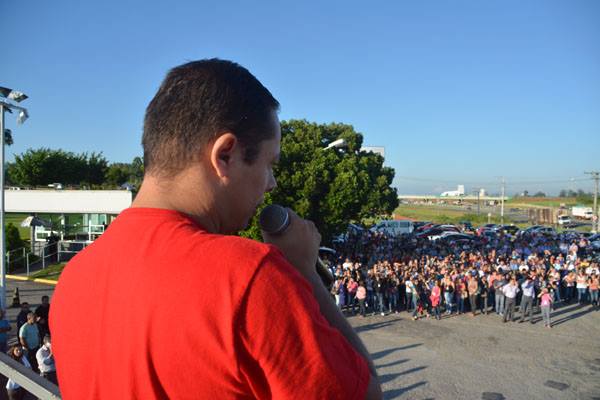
pixel 465 357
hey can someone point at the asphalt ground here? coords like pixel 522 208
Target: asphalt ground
pixel 461 356
pixel 480 357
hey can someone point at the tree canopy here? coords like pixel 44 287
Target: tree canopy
pixel 331 187
pixel 45 166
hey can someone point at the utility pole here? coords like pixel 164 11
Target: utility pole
pixel 478 193
pixel 596 177
pixel 502 202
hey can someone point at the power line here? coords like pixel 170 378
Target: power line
pixel 479 183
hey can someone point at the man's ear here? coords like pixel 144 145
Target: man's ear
pixel 222 153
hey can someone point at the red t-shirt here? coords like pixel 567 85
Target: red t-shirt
pixel 158 308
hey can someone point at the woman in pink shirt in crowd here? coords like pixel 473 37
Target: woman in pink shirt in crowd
pixel 436 292
pixel 545 305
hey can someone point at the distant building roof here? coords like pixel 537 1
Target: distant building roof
pixel 67 201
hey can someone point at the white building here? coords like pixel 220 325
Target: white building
pixel 81 213
pixel 460 191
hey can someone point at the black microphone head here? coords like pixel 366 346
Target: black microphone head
pixel 274 219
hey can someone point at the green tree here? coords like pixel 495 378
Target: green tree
pixel 117 174
pixel 44 166
pixel 13 238
pixel 329 186
pixel 120 173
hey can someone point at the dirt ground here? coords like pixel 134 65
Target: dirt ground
pixel 466 357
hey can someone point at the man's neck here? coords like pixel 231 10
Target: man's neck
pixel 178 194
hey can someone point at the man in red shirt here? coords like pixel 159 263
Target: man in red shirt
pixel 176 306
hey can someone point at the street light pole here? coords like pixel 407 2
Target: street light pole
pixel 2 239
pixel 17 97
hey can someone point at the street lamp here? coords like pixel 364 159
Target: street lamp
pixel 336 143
pixel 8 98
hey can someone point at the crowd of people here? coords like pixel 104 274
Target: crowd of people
pixel 33 348
pixel 488 274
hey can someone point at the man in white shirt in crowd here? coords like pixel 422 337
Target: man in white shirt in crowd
pixel 45 360
pixel 510 291
pixel 527 299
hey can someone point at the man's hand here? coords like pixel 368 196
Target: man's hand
pixel 299 244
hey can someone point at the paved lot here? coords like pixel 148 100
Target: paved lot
pixel 464 357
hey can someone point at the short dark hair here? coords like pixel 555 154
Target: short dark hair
pixel 197 102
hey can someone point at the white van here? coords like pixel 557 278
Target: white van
pixel 394 228
pixel 564 220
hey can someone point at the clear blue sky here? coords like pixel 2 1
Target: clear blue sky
pixel 456 91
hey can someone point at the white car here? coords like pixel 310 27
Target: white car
pixel 564 220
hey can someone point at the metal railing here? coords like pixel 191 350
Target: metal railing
pixel 44 254
pixel 27 379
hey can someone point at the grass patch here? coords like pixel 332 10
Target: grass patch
pixel 52 272
pixel 441 215
pixel 546 201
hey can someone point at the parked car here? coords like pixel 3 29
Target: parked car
pixel 467 226
pixel 509 229
pixel 352 229
pixel 594 237
pixel 394 228
pixel 530 229
pixel 431 232
pixel 545 230
pixel 424 226
pixel 453 236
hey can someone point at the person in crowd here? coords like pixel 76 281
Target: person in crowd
pixel 424 302
pixel 436 293
pixel 473 289
pixel 42 312
pixel 361 296
pixel 510 291
pixel 13 389
pixel 4 329
pixel 352 300
pixel 545 306
pixel 448 294
pixel 528 290
pixel 343 293
pixel 409 287
pixel 22 315
pixel 29 337
pixel 418 307
pixel 594 281
pixel 582 286
pixel 461 294
pixel 569 282
pixel 485 294
pixel 499 284
pixel 380 288
pixel 45 361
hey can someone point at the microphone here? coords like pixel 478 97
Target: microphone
pixel 275 219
